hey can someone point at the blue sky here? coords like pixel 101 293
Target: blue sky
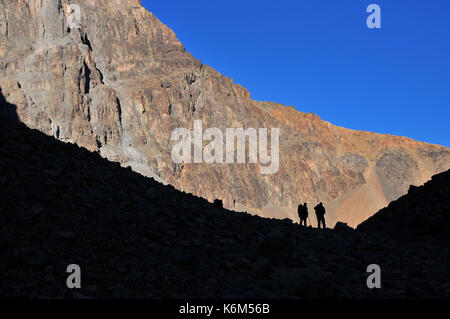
pixel 320 57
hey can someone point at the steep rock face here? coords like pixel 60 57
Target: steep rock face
pixel 123 82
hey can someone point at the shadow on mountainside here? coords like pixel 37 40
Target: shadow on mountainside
pixel 135 238
pixel 423 212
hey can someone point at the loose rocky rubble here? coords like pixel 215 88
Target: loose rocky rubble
pixel 136 238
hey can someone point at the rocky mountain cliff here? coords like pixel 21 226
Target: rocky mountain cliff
pixel 122 82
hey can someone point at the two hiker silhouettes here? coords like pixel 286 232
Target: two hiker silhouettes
pixel 320 214
pixel 303 214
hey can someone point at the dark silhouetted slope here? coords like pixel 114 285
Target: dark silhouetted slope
pixel 424 211
pixel 133 237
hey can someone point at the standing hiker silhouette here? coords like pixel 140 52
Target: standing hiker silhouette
pixel 320 213
pixel 303 214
